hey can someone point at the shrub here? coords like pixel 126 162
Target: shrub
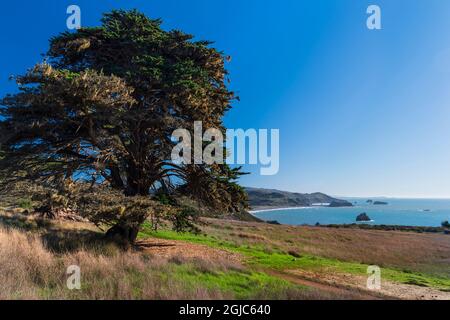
pixel 25 204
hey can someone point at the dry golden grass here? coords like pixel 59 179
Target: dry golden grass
pixel 35 255
pixel 30 271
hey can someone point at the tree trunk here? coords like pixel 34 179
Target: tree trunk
pixel 123 234
pixel 117 181
pixel 138 183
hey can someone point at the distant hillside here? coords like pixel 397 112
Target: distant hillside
pixel 268 198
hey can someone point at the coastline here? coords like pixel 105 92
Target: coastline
pixel 362 225
pixel 276 209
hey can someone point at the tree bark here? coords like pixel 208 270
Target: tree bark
pixel 117 181
pixel 138 182
pixel 123 234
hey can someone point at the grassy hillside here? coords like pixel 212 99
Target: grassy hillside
pixel 406 258
pixel 269 198
pixel 230 259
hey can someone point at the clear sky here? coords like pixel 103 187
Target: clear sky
pixel 360 112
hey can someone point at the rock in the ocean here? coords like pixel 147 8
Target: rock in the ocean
pixel 340 203
pixel 380 203
pixel 363 217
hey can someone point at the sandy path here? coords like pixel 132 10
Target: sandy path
pixel 337 289
pixel 390 289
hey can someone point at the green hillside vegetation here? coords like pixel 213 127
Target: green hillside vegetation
pixel 245 260
pixel 260 256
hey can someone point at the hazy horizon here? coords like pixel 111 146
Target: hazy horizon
pixel 356 196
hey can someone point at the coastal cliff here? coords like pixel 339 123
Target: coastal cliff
pixel 270 198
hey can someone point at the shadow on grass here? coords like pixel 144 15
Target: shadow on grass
pixel 57 238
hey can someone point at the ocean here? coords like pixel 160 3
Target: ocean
pixel 402 212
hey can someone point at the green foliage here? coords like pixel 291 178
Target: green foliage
pixel 25 204
pixel 446 224
pixel 164 198
pixel 184 220
pixel 216 188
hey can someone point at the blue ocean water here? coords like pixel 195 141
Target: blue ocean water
pixel 403 212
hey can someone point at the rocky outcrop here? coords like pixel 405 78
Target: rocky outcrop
pixel 340 203
pixel 363 217
pixel 380 203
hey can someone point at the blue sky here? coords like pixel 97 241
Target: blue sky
pixel 360 112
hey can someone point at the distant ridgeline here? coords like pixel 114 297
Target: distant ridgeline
pixel 267 198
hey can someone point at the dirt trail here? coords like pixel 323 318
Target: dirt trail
pixel 170 249
pixel 336 289
pixel 389 289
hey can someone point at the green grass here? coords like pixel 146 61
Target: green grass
pixel 231 284
pixel 259 257
pixel 241 285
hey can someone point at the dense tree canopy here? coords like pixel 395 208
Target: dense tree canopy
pixel 104 105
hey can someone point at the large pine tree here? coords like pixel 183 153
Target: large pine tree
pixel 104 105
